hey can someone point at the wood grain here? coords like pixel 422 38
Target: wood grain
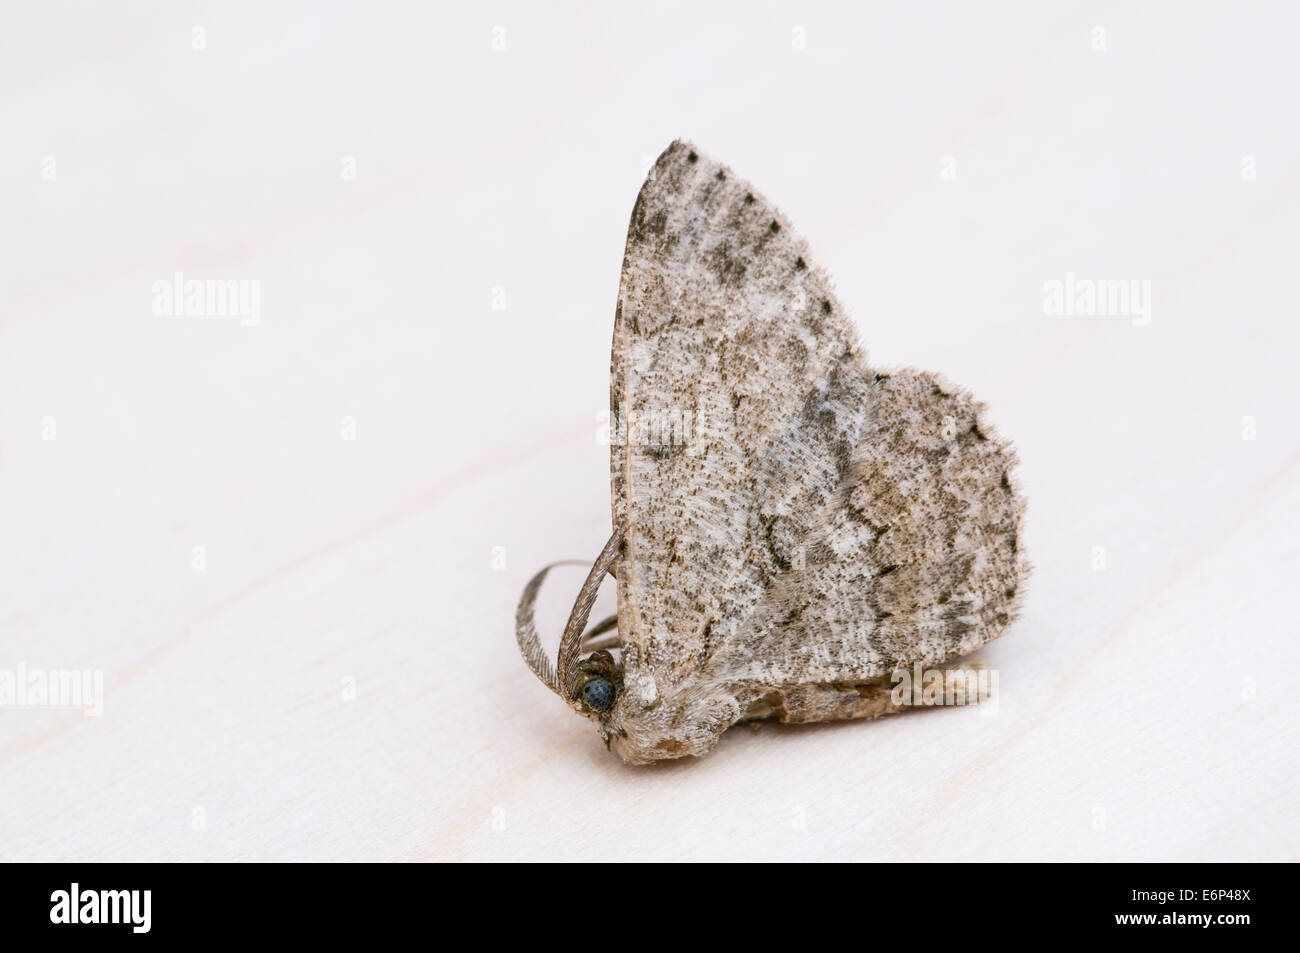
pixel 366 476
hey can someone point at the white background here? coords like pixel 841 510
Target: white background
pixel 340 679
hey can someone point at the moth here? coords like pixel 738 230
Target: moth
pixel 790 525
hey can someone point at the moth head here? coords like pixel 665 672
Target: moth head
pixel 591 685
pixel 598 684
pixel 635 721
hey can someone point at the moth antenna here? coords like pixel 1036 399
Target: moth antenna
pixel 530 646
pixel 571 644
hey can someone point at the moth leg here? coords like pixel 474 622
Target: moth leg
pixel 590 640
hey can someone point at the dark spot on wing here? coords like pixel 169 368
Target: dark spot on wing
pixel 721 176
pixel 749 198
pixel 826 306
pixel 692 157
pixel 818 553
pixel 857 515
pixel 774 227
pixel 646 227
pixel 957 629
pixel 796 352
pixel 729 268
pixel 769 525
pixel 706 639
pixel 886 570
pixel 660 451
pixel 799 265
pixel 843 458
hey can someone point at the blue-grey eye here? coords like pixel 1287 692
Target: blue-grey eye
pixel 598 694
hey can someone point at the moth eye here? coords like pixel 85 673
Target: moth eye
pixel 598 694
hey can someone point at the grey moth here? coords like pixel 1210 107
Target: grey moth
pixel 791 527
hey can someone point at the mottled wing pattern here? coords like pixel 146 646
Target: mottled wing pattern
pixel 733 368
pixel 914 559
pixel 791 516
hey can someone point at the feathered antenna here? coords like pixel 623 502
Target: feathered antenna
pixel 562 678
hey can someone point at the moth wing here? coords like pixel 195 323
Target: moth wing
pixel 740 397
pixel 915 558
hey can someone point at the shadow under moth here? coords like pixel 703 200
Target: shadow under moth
pixel 790 525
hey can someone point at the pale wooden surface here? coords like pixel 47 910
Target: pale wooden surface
pixel 1146 711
